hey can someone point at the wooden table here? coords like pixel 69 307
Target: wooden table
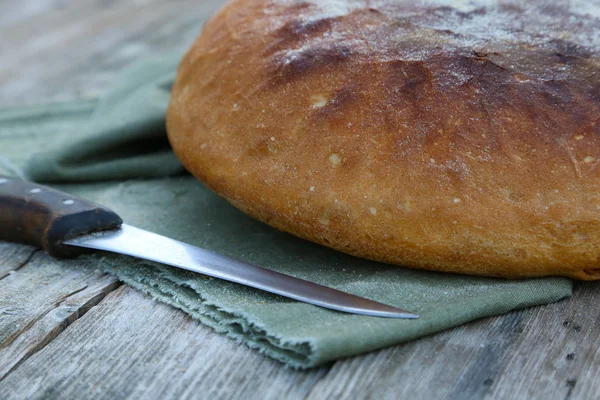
pixel 68 332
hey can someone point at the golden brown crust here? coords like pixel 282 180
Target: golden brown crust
pixel 420 133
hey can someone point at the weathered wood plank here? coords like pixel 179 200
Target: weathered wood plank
pixel 74 49
pixel 546 352
pixel 13 256
pixel 10 14
pixel 83 44
pixel 40 300
pixel 559 356
pixel 129 346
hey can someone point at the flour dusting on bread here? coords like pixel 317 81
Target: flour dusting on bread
pixel 459 136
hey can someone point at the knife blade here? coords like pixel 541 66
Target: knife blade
pixel 65 225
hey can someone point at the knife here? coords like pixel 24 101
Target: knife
pixel 66 226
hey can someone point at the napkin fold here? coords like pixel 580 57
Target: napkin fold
pixel 125 137
pixel 114 151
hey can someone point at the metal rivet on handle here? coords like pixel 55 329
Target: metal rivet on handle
pixel 36 190
pixel 68 202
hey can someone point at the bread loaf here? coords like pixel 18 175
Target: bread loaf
pixel 459 136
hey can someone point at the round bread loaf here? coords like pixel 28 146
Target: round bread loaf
pixel 459 136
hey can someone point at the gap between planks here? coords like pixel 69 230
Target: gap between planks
pixel 551 349
pixel 130 346
pixel 545 352
pixel 49 301
pixel 41 299
pixel 13 257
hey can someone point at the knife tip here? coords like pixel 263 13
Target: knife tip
pixel 409 316
pixel 402 315
pixel 390 312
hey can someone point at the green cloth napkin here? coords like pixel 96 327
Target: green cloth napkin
pixel 101 149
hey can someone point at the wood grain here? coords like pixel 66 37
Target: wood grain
pixel 546 352
pixel 132 347
pixel 40 300
pixel 13 257
pixel 74 49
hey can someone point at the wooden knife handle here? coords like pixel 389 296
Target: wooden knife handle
pixel 45 217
